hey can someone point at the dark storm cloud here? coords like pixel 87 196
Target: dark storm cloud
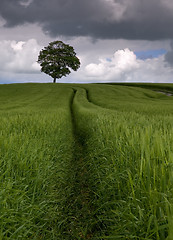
pixel 104 19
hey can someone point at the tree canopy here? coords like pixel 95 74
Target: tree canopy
pixel 57 60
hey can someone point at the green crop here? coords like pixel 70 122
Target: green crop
pixel 86 161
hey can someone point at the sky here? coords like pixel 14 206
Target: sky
pixel 115 40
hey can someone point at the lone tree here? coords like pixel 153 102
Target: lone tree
pixel 57 59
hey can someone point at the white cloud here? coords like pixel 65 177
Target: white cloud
pixel 122 62
pixel 124 66
pixel 17 46
pixel 19 57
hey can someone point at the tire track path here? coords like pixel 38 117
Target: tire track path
pixel 81 204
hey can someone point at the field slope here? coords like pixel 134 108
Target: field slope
pixel 82 161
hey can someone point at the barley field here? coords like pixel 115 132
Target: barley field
pixel 86 161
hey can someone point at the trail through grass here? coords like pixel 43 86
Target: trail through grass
pixel 86 162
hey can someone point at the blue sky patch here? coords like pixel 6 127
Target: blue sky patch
pixel 150 53
pixel 108 60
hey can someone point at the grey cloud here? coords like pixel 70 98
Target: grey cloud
pixel 140 19
pixel 169 55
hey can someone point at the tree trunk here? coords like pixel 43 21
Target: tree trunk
pixel 54 80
